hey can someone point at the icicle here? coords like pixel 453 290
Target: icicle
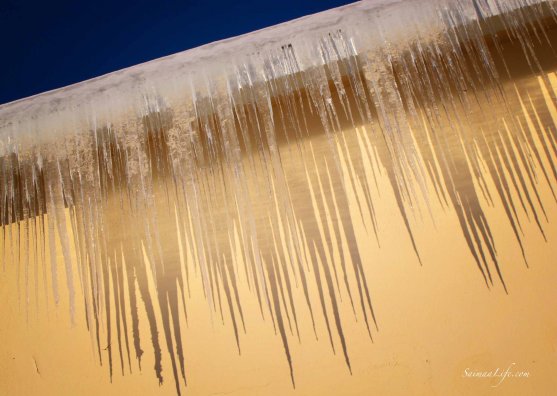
pixel 241 160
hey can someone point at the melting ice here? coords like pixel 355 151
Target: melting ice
pixel 234 161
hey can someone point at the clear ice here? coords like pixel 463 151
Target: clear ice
pixel 208 162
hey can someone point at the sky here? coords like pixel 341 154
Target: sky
pixel 51 44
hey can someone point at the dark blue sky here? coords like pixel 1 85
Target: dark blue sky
pixel 50 44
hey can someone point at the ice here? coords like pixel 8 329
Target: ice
pixel 249 147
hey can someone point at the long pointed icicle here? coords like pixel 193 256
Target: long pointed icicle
pixel 240 162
